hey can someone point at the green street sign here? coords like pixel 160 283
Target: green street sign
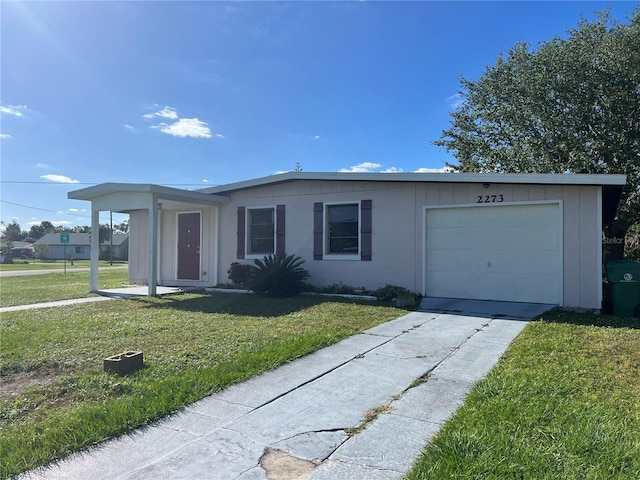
pixel 64 237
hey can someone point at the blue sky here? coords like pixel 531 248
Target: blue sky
pixel 195 94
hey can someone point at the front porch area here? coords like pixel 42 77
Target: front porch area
pixel 158 256
pixel 138 291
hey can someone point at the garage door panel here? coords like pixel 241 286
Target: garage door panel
pixel 496 261
pixel 509 252
pixel 500 287
pixel 486 237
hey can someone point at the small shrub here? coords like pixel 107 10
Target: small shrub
pixel 239 273
pixel 338 288
pixel 389 292
pixel 278 275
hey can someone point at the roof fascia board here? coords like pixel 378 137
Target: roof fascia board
pixel 513 178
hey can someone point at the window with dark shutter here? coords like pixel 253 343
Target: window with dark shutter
pixel 280 227
pixel 365 229
pixel 342 229
pixel 318 224
pixel 240 233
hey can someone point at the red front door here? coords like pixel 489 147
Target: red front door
pixel 189 246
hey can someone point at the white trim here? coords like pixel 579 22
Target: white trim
pixel 515 178
pixel 558 202
pixel 253 256
pixel 199 247
pixel 325 236
pixel 599 246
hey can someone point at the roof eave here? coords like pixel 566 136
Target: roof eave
pixel 513 178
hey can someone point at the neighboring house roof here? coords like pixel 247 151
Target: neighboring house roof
pixel 79 239
pixel 16 244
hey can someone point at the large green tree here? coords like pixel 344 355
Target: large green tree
pixel 571 105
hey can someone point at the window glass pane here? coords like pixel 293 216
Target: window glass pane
pixel 261 231
pixel 342 229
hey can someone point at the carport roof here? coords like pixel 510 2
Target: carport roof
pixel 165 193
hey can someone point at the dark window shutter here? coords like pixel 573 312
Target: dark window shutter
pixel 317 230
pixel 365 230
pixel 280 247
pixel 241 232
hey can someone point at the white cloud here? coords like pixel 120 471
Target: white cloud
pixel 316 137
pixel 16 110
pixel 218 135
pixel 392 170
pixel 62 223
pixel 434 170
pixel 5 136
pixel 361 168
pixel 59 178
pixel 167 112
pixel 187 127
pixel 455 101
pixel 204 180
pixel 41 165
pixel 127 126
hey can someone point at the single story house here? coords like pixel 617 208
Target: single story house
pixel 79 246
pixel 507 237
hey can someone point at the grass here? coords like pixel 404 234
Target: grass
pixel 194 344
pixel 29 289
pixel 563 403
pixel 37 264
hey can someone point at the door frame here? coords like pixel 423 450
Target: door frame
pixel 558 202
pixel 199 212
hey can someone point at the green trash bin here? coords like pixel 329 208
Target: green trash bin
pixel 624 277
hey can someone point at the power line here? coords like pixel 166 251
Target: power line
pixel 45 210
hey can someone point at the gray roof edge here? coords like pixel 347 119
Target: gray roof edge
pixel 109 188
pixel 521 178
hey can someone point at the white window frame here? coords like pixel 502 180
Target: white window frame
pixel 325 240
pixel 247 232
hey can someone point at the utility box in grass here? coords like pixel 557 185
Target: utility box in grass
pixel 624 277
pixel 124 363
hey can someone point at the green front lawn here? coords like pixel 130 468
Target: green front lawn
pixel 37 264
pixel 50 287
pixel 56 399
pixel 563 403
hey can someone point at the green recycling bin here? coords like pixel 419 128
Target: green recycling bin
pixel 624 277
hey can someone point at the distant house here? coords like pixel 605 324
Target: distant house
pixel 79 247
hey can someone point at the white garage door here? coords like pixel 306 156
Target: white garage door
pixel 507 252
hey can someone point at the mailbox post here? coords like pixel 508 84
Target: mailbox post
pixel 64 239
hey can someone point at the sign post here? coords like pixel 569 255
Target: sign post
pixel 64 239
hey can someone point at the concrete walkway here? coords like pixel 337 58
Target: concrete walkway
pixel 294 422
pixel 105 294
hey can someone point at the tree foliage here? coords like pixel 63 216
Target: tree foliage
pixel 571 106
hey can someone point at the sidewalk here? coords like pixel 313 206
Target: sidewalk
pixel 306 418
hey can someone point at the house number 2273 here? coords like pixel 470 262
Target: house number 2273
pixel 490 198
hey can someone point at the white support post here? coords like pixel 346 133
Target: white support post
pixel 95 249
pixel 153 246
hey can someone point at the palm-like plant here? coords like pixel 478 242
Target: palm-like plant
pixel 278 275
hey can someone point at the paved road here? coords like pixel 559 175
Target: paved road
pixel 293 422
pixel 23 273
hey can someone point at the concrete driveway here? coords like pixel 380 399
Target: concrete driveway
pixel 306 419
